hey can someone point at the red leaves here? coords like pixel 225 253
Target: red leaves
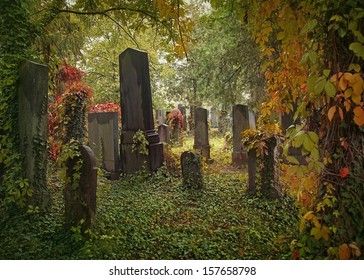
pixel 344 172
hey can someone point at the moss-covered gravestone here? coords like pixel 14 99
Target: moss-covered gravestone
pixel 32 127
pixel 201 137
pixel 191 170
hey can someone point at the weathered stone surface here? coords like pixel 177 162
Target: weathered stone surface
pixel 252 171
pixel 214 118
pixel 161 117
pixel 80 194
pixel 32 121
pixel 137 114
pixel 191 170
pixel 243 119
pixel 183 112
pixel 103 137
pixel 163 131
pixel 201 138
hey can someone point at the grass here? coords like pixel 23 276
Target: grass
pixel 150 216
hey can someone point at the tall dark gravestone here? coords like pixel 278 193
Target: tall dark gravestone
pixel 32 121
pixel 243 119
pixel 201 139
pixel 137 113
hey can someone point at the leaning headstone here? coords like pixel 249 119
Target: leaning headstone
pixel 103 138
pixel 223 122
pixel 137 113
pixel 161 117
pixel 80 193
pixel 163 131
pixel 191 170
pixel 201 139
pixel 32 121
pixel 243 119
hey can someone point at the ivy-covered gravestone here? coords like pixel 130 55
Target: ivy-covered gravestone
pixel 80 193
pixel 191 170
pixel 137 114
pixel 32 126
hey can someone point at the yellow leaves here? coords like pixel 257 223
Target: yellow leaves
pixel 319 233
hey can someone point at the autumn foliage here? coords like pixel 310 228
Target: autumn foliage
pixel 312 54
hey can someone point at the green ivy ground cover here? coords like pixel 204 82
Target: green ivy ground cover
pixel 151 217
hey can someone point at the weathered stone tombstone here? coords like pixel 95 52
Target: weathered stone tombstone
pixel 223 122
pixel 32 122
pixel 201 137
pixel 243 119
pixel 191 170
pixel 103 137
pixel 183 112
pixel 214 118
pixel 252 171
pixel 163 131
pixel 137 113
pixel 160 117
pixel 80 193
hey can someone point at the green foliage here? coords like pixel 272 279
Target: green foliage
pixel 149 216
pixel 140 143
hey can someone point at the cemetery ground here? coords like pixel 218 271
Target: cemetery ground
pixel 150 216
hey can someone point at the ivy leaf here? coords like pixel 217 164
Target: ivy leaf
pixel 330 89
pixel 320 85
pixel 357 48
pixel 359 116
pixel 309 26
pixel 292 159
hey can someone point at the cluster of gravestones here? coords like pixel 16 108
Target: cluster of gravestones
pixel 103 135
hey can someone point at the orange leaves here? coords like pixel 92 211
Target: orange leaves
pixel 346 251
pixel 352 88
pixel 344 172
pixel 359 115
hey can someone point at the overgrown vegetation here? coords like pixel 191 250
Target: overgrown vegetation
pixel 150 216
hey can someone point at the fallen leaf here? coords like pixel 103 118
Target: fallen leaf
pixel 344 172
pixel 344 252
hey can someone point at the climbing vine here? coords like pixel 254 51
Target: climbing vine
pixel 313 59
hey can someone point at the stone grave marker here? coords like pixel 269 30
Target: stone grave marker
pixel 214 118
pixel 201 137
pixel 191 170
pixel 80 195
pixel 183 112
pixel 137 113
pixel 243 119
pixel 163 131
pixel 160 117
pixel 32 122
pixel 103 137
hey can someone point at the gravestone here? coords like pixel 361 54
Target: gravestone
pixel 267 172
pixel 223 122
pixel 161 117
pixel 32 121
pixel 243 119
pixel 163 131
pixel 252 170
pixel 214 118
pixel 201 139
pixel 103 138
pixel 191 170
pixel 80 193
pixel 137 113
pixel 183 112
